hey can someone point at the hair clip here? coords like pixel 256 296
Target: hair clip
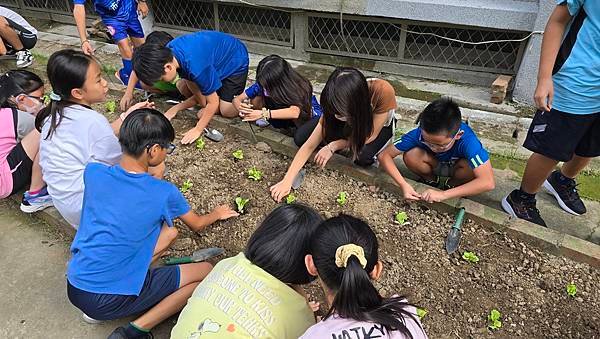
pixel 54 97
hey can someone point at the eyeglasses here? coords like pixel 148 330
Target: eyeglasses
pixel 437 146
pixel 169 147
pixel 39 99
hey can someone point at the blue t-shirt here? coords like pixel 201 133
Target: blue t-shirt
pixel 116 9
pixel 120 223
pixel 577 83
pixel 468 147
pixel 207 57
pixel 257 90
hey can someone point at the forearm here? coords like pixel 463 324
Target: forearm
pixel 207 113
pixel 388 164
pixel 79 15
pixel 551 42
pixel 133 79
pixel 200 222
pixel 300 159
pixel 339 145
pixel 291 112
pixel 476 186
pixel 116 125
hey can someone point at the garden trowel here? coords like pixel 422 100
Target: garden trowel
pixel 453 238
pixel 197 256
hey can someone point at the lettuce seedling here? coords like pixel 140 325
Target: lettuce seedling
pixel 400 218
pixel 254 174
pixel 470 257
pixel 241 203
pixel 186 186
pixel 200 143
pixel 238 155
pixel 290 198
pixel 494 322
pixel 111 106
pixel 421 313
pixel 342 198
pixel 571 289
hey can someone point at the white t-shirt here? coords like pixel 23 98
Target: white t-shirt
pixel 83 136
pixel 7 13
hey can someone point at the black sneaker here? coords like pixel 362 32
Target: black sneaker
pixel 565 191
pixel 119 333
pixel 521 208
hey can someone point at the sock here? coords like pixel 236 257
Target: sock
pixel 36 192
pixel 525 196
pixel 132 331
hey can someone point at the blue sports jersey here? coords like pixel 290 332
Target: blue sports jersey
pixel 116 9
pixel 577 71
pixel 120 223
pixel 468 147
pixel 257 90
pixel 207 57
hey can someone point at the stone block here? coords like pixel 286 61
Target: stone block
pixel 580 250
pixel 541 237
pixel 500 88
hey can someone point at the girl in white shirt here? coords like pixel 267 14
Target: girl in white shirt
pixel 73 134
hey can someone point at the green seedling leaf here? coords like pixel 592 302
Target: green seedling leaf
pixel 342 198
pixel 470 257
pixel 111 106
pixel 46 99
pixel 254 174
pixel 200 143
pixel 186 186
pixel 241 203
pixel 494 322
pixel 401 218
pixel 290 198
pixel 571 289
pixel 421 313
pixel 238 155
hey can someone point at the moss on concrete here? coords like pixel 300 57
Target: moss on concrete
pixel 403 91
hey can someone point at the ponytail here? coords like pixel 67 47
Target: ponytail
pixel 344 251
pixel 8 89
pixel 55 112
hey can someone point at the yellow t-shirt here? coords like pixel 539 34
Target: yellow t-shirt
pixel 240 300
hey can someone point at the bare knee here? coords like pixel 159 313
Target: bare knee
pixel 171 233
pixel 4 23
pixel 414 158
pixel 227 109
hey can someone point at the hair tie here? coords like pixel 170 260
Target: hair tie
pixel 54 97
pixel 344 252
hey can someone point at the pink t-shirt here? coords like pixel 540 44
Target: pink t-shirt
pixel 8 140
pixel 336 327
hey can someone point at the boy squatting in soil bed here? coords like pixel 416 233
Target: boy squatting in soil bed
pixel 444 152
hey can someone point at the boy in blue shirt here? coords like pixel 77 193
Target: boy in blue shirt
pixel 121 20
pixel 214 66
pixel 126 223
pixel 567 126
pixel 444 152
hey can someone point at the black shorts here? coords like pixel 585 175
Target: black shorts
pixel 232 86
pixel 559 135
pixel 20 166
pixel 28 39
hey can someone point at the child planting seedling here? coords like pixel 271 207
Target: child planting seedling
pixel 470 257
pixel 494 322
pixel 186 186
pixel 111 106
pixel 200 143
pixel 238 155
pixel 401 218
pixel 254 174
pixel 240 203
pixel 290 199
pixel 342 198
pixel 571 289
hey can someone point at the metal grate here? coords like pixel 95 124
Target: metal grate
pixel 434 50
pixel 358 37
pixel 10 3
pixel 48 5
pixel 255 23
pixel 188 15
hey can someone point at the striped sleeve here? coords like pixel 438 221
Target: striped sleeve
pixel 474 152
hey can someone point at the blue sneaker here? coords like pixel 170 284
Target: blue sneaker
pixel 37 202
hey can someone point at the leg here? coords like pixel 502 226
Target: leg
pixel 137 42
pixel 165 239
pixel 537 170
pixel 258 102
pixel 3 48
pixel 370 150
pixel 8 34
pixel 227 109
pixel 463 173
pixel 31 144
pixel 190 276
pixel 573 167
pixel 420 162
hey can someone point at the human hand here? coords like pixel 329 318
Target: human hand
pixel 126 101
pixel 323 156
pixel 314 305
pixel 171 113
pixel 431 196
pixel 544 93
pixel 86 47
pixel 410 194
pixel 224 212
pixel 280 190
pixel 191 136
pixel 250 115
pixel 142 8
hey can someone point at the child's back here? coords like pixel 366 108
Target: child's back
pixel 336 327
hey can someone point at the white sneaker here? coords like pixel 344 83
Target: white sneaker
pixel 90 320
pixel 24 58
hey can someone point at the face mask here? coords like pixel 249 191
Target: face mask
pixel 33 105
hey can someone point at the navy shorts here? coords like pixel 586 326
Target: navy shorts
pixel 20 166
pixel 121 29
pixel 160 283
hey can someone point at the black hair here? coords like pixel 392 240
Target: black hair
pixel 284 85
pixel 281 242
pixel 355 296
pixel 17 82
pixel 143 128
pixel 160 38
pixel 346 93
pixel 149 62
pixel 440 116
pixel 67 70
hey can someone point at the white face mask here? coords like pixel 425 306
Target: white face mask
pixel 33 105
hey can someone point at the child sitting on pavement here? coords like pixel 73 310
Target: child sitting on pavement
pixel 444 152
pixel 17 37
pixel 127 223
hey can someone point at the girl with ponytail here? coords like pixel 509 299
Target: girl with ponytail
pixel 343 254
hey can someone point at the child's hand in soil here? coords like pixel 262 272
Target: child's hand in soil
pixel 410 194
pixel 280 190
pixel 250 115
pixel 224 212
pixel 431 196
pixel 323 156
pixel 191 136
pixel 171 113
pixel 126 102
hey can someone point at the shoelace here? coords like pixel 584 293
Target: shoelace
pixel 571 191
pixel 530 207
